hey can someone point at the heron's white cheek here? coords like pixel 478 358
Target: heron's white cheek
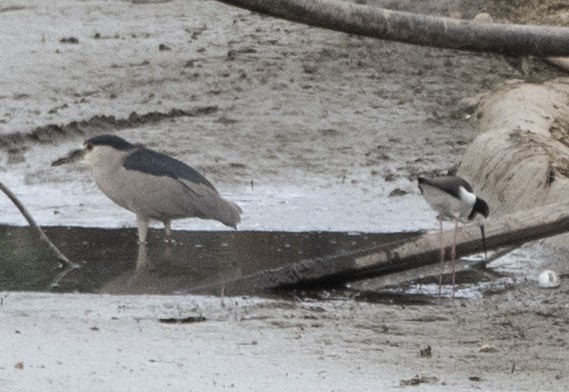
pixel 88 159
pixel 97 157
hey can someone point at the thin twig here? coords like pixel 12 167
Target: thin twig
pixel 33 223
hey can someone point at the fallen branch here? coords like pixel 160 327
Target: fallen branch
pixel 508 230
pixel 347 17
pixel 561 62
pixel 32 223
pixel 396 279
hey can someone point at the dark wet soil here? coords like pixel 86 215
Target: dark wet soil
pixel 53 133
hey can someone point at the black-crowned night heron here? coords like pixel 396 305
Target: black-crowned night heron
pixel 151 184
pixel 452 197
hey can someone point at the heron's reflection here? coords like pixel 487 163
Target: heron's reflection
pixel 167 269
pixel 143 262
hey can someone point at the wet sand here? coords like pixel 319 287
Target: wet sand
pixel 118 343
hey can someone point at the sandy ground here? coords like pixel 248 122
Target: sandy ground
pixel 326 126
pixel 89 343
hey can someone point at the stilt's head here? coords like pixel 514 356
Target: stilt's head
pixel 480 210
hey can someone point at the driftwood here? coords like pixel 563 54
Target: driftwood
pixel 400 278
pixel 510 40
pixel 508 230
pixel 520 160
pixel 561 62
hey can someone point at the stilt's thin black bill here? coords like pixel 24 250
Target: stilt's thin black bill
pixel 484 242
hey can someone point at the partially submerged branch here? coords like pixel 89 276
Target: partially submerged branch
pixel 33 223
pixel 417 29
pixel 508 230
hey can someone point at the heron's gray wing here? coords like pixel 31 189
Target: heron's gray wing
pixel 164 188
pixel 211 205
pixel 157 164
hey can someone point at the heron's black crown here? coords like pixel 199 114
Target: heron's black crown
pixel 111 141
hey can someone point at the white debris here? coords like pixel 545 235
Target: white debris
pixel 549 279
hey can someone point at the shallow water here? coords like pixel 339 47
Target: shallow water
pixel 112 262
pixel 207 262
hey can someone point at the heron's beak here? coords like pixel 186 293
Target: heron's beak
pixel 73 156
pixel 484 242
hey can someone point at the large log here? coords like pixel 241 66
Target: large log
pixel 508 230
pixel 520 159
pixel 510 40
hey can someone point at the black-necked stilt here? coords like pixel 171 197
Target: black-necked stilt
pixel 452 197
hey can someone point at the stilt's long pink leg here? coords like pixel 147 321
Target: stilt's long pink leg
pixel 453 256
pixel 442 255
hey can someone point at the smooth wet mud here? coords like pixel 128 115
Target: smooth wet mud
pixel 112 262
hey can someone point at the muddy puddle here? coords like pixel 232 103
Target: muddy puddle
pixel 248 262
pixel 112 262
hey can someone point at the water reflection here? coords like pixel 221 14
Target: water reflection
pixel 160 273
pixel 112 262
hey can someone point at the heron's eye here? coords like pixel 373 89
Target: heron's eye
pixel 89 147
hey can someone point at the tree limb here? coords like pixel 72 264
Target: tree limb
pixel 33 223
pixel 417 29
